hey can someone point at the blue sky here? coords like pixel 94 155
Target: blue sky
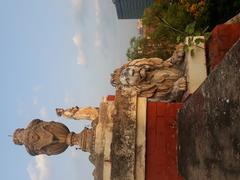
pixel 55 53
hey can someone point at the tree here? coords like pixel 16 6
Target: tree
pixel 136 50
pixel 145 47
pixel 168 19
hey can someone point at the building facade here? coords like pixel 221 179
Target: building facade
pixel 131 9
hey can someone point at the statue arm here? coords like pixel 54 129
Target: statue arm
pixel 34 151
pixel 74 109
pixel 54 149
pixel 49 150
pixel 34 122
pixel 31 150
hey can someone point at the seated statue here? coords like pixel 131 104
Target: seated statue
pixel 88 113
pixel 51 138
pixel 42 137
pixel 153 77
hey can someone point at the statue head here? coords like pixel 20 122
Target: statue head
pixel 18 136
pixel 129 75
pixel 59 111
pixel 132 75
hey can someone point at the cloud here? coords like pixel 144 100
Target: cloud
pixel 77 39
pixel 43 112
pixel 77 3
pixel 81 60
pixel 99 35
pixel 39 169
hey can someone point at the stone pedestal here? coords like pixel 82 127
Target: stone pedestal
pixel 136 139
pixel 120 144
pixel 103 141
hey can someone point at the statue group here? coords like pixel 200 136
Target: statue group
pixel 155 78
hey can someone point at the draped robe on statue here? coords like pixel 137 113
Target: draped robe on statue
pixel 45 137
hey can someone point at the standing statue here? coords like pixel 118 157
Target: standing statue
pixel 88 113
pixel 153 77
pixel 51 138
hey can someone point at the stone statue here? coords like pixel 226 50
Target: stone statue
pixel 88 113
pixel 51 138
pixel 153 77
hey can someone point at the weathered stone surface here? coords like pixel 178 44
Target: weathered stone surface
pixel 234 20
pixel 42 137
pixel 124 135
pixel 99 142
pixel 153 77
pixel 222 39
pixel 209 136
pixel 103 139
pixel 51 138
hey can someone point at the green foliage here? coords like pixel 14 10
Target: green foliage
pixel 167 19
pixel 136 47
pixel 190 28
pixel 141 47
pixel 211 12
pixel 171 21
pixel 161 41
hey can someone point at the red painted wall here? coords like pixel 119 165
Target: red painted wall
pixel 161 153
pixel 110 97
pixel 222 39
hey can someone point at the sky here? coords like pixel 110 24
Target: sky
pixel 55 53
